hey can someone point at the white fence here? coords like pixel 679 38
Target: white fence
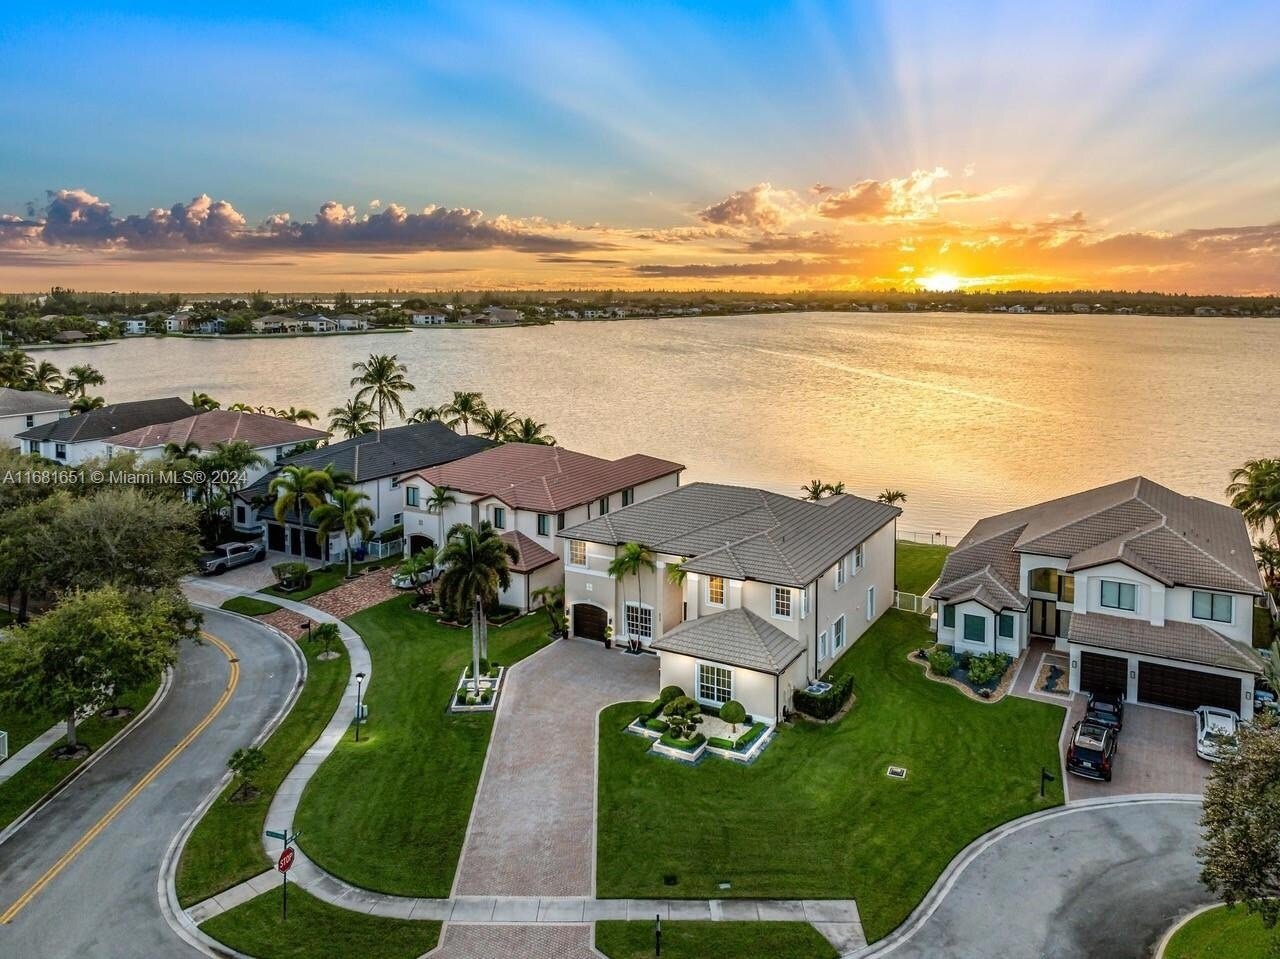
pixel 911 603
pixel 4 745
pixel 381 550
pixel 938 538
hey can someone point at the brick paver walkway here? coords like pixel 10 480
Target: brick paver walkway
pixel 349 598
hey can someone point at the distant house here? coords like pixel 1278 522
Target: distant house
pixel 25 409
pixel 215 324
pixel 498 314
pixel 178 322
pixel 1206 311
pixel 350 322
pixel 1040 308
pixel 427 319
pixel 74 439
pixel 594 314
pixel 70 336
pixel 268 324
pixel 133 325
pixel 1124 310
pixel 879 307
pixel 1081 308
pixel 1018 308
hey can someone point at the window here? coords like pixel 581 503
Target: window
pixel 839 574
pixel 577 552
pixel 837 635
pixel 33 447
pixel 639 621
pixel 1066 589
pixel 411 496
pixel 715 684
pixel 628 496
pixel 857 558
pixel 949 616
pixel 397 519
pixel 240 515
pixel 1006 626
pixel 31 420
pixel 975 628
pixel 499 518
pixel 822 645
pixel 604 505
pixel 1044 580
pixel 1212 606
pixel 804 603
pixel 559 522
pixel 715 590
pixel 781 602
pixel 1119 595
pixel 544 524
pixel 871 603
pixel 60 451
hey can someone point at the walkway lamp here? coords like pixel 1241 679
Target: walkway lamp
pixel 359 684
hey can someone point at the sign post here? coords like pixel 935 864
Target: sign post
pixel 283 864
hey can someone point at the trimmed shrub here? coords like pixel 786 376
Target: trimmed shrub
pixel 824 705
pixel 682 715
pixel 656 725
pixel 679 742
pixel 669 693
pixel 720 743
pixel 484 668
pixel 291 576
pixel 733 713
pixel 941 661
pixel 987 668
pixel 750 736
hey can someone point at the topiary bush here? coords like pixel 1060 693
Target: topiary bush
pixel 669 693
pixel 987 667
pixel 733 713
pixel 291 576
pixel 682 715
pixel 941 661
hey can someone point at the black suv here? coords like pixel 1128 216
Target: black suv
pixel 1106 709
pixel 1093 747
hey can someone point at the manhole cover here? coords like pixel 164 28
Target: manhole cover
pixel 897 772
pixel 669 879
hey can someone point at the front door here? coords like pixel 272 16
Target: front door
pixel 1044 617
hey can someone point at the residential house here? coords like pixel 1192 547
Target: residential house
pixel 498 314
pixel 350 322
pixel 530 493
pixel 428 319
pixel 1018 308
pixel 179 322
pixel 133 325
pixel 752 595
pixel 1081 308
pixel 1150 592
pixel 26 409
pixel 74 439
pixel 214 324
pixel 375 462
pixel 1206 311
pixel 70 336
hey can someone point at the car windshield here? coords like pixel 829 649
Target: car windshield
pixel 1104 707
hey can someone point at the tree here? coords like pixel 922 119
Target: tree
pixel 295 415
pixel 436 504
pixel 298 488
pixel 245 764
pixel 381 380
pixel 551 599
pixel 1240 854
pixel 497 424
pixel 16 368
pixel 326 634
pixel 427 414
pixel 464 408
pixel 86 404
pixel 892 496
pixel 344 511
pixel 414 568
pixel 733 713
pixel 79 378
pixel 529 430
pixel 835 489
pixel 45 377
pixel 631 560
pixel 1255 491
pixel 203 402
pixel 354 418
pixel 814 490
pixel 1268 562
pixel 477 565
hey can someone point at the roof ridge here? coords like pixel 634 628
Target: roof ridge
pixel 1199 549
pixel 1084 517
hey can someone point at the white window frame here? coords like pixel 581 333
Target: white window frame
pixel 724 591
pixel 822 646
pixel 839 574
pixel 60 451
pixel 397 519
pixel 544 524
pixel 697 676
pixel 782 603
pixel 1120 587
pixel 626 619
pixel 628 496
pixel 838 636
pixel 411 496
pixel 574 546
pixel 859 558
pixel 871 603
pixel 804 603
pixel 1213 595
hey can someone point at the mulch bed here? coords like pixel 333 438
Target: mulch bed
pixel 998 693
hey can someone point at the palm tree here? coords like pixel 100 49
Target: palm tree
pixel 1269 562
pixel 676 573
pixel 16 368
pixel 352 419
pixel 477 566
pixel 1255 492
pixel 242 408
pixel 381 380
pixel 45 377
pixel 296 415
pixel 340 478
pixel 835 489
pixel 79 378
pixel 497 423
pixel 83 404
pixel 551 598
pixel 439 501
pixel 463 408
pixel 203 402
pixel 298 487
pixel 346 511
pixel 420 562
pixel 892 496
pixel 814 490
pixel 632 559
pixel 529 430
pixel 427 414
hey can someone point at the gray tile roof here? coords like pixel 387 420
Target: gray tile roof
pixel 110 421
pixel 1185 642
pixel 17 402
pixel 743 533
pixel 735 637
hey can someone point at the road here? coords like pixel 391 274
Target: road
pixel 103 901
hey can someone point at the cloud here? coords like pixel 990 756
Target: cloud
pixel 977 196
pixel 904 198
pixel 796 268
pixel 760 207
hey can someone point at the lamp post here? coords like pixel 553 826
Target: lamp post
pixel 359 684
pixel 306 624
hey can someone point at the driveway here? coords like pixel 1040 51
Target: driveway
pixel 532 829
pixel 1077 883
pixel 1156 754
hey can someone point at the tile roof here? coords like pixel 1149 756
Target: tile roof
pixel 546 479
pixel 735 637
pixel 1185 642
pixel 743 533
pixel 1177 540
pixel 110 421
pixel 220 426
pixel 533 555
pixel 16 402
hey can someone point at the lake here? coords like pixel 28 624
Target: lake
pixel 968 413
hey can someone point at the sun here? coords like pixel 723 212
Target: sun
pixel 941 282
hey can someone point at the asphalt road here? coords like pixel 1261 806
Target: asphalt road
pixel 1093 882
pixel 103 903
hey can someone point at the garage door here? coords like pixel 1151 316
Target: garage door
pixel 1186 688
pixel 589 622
pixel 1103 674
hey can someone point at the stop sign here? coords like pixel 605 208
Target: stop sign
pixel 286 860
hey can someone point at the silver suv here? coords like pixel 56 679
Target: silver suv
pixel 229 556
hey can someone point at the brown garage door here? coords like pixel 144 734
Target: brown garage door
pixel 1103 674
pixel 589 622
pixel 1186 688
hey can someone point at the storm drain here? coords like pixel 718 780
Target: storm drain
pixel 897 772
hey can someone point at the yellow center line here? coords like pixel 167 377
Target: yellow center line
pixel 96 829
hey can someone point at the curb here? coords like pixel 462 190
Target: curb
pixel 1182 921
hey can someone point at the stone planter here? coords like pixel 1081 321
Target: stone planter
pixel 490 684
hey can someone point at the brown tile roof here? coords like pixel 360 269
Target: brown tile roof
pixel 533 555
pixel 1185 642
pixel 736 637
pixel 220 426
pixel 547 479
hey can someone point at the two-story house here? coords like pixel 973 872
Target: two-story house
pixel 22 410
pixel 73 439
pixel 752 594
pixel 529 493
pixel 1150 592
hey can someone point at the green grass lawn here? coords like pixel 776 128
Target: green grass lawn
pixel 317 930
pixel 323 580
pixel 1223 932
pixel 816 816
pixel 42 774
pixel 919 565
pixel 699 940
pixel 226 846
pixel 389 813
pixel 248 606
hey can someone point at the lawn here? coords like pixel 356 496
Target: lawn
pixel 698 940
pixel 1222 932
pixel 248 606
pixel 389 813
pixel 816 816
pixel 226 846
pixel 919 565
pixel 317 930
pixel 323 580
pixel 43 773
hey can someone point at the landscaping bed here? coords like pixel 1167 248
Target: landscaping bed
pixel 986 677
pixel 702 729
pixel 472 697
pixel 324 579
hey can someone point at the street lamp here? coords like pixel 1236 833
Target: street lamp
pixel 359 684
pixel 306 624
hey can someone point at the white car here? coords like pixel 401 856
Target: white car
pixel 1215 729
pixel 405 581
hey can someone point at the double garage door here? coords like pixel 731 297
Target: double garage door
pixel 1159 684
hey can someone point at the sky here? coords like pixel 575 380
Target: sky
pixel 774 147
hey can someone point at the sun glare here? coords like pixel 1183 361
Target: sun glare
pixel 940 282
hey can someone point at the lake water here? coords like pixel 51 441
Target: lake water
pixel 968 413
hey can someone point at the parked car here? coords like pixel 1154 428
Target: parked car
pixel 406 581
pixel 1216 730
pixel 1092 749
pixel 230 555
pixel 1106 709
pixel 1264 701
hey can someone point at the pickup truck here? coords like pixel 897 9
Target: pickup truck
pixel 228 556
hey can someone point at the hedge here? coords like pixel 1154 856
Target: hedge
pixel 684 745
pixel 824 705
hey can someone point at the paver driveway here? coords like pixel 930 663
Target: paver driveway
pixel 532 828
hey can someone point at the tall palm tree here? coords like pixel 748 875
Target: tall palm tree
pixel 340 478
pixel 892 496
pixel 427 414
pixel 439 501
pixel 84 404
pixel 354 418
pixel 835 489
pixel 203 402
pixel 477 566
pixel 382 379
pixel 345 510
pixel 16 368
pixel 300 488
pixel 1255 492
pixel 632 560
pixel 241 407
pixel 79 378
pixel 497 424
pixel 529 430
pixel 295 415
pixel 814 490
pixel 465 407
pixel 45 377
